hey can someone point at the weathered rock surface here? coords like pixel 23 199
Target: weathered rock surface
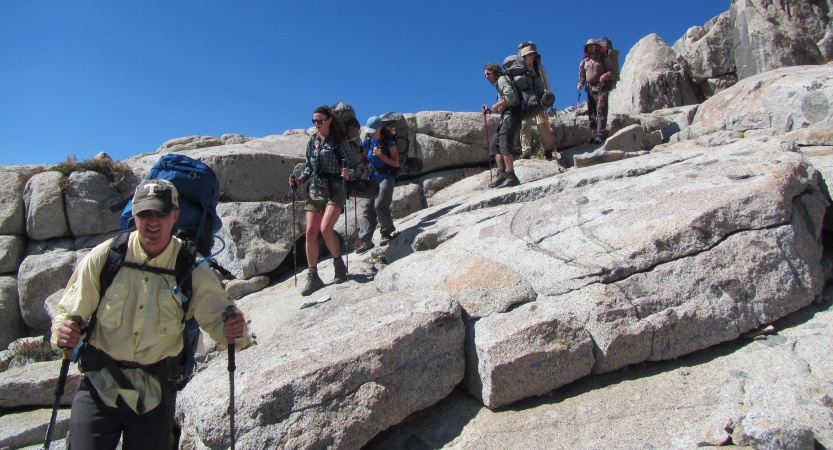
pixel 88 204
pixel 709 54
pixel 39 277
pixel 45 216
pixel 696 401
pixel 34 385
pixel 12 211
pixel 651 79
pixel 434 182
pixel 628 139
pixel 242 288
pixel 770 35
pixel 254 171
pixel 772 103
pixel 620 245
pixel 189 143
pixel 407 198
pixel 258 235
pixel 338 372
pixel 28 428
pixel 11 252
pixel 11 323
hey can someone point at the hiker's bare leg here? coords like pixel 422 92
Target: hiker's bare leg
pixel 508 160
pixel 311 234
pixel 331 215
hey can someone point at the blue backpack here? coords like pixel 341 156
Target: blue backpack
pixel 199 193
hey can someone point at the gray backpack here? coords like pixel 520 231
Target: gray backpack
pixel 347 115
pixel 398 127
pixel 528 86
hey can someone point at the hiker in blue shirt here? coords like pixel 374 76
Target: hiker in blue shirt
pixel 326 172
pixel 383 156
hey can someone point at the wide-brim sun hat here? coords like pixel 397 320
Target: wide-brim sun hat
pixel 528 50
pixel 590 42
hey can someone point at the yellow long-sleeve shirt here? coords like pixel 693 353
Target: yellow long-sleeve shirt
pixel 139 318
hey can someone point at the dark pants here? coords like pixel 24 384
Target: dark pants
pixel 96 426
pixel 377 210
pixel 503 139
pixel 597 108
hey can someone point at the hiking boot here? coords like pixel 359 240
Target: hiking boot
pixel 364 247
pixel 386 238
pixel 599 140
pixel 510 181
pixel 340 271
pixel 501 175
pixel 526 155
pixel 548 155
pixel 314 283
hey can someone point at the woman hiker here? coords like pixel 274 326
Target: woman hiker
pixel 324 168
pixel 383 156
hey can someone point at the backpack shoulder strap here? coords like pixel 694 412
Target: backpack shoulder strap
pixel 185 262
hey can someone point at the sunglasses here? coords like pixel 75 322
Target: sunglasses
pixel 149 212
pixel 318 121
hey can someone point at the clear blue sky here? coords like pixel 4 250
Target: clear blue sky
pixel 80 77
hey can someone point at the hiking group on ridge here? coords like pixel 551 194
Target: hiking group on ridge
pixel 132 308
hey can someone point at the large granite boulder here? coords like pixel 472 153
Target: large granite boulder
pixel 12 211
pixel 45 216
pixel 761 394
pixel 257 170
pixel 23 429
pixel 651 264
pixel 11 323
pixel 258 235
pixel 770 35
pixel 34 385
pixel 40 276
pixel 651 79
pixel 709 54
pixel 189 143
pixel 11 252
pixel 338 373
pixel 771 103
pixel 88 202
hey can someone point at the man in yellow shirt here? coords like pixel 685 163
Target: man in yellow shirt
pixel 138 330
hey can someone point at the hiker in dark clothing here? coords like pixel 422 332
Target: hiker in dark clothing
pixel 383 156
pixel 503 138
pixel 323 167
pixel 594 71
pixel 137 333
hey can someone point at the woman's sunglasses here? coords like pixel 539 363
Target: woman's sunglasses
pixel 149 212
pixel 318 121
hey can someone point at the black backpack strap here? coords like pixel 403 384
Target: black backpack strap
pixel 115 259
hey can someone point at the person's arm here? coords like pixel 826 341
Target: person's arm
pixel 210 301
pixel 307 172
pixel 352 170
pixel 508 96
pixel 393 159
pixel 609 69
pixel 582 75
pixel 81 298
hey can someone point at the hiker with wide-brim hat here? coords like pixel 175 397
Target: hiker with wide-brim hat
pixel 594 71
pixel 382 155
pixel 529 52
pixel 134 346
pixel 503 139
pixel 328 151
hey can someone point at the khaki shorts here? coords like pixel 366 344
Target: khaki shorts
pixel 317 203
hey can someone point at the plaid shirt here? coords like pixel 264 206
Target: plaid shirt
pixel 323 158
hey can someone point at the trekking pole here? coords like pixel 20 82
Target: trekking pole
pixel 231 367
pixel 294 240
pixel 59 389
pixel 344 186
pixel 575 117
pixel 488 147
pixel 355 222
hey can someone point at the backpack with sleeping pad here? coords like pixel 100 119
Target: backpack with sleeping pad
pixel 532 94
pixel 398 127
pixel 347 115
pixel 607 49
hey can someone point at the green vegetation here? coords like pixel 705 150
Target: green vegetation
pixel 118 172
